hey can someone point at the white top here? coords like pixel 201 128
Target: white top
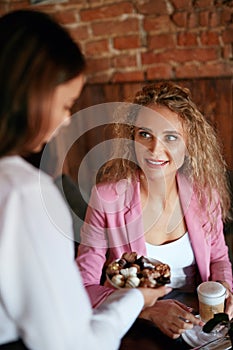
pixel 179 256
pixel 42 299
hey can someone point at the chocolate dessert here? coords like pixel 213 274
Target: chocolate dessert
pixel 131 271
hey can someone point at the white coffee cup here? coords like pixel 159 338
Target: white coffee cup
pixel 211 297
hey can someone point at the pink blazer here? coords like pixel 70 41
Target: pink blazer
pixel 113 225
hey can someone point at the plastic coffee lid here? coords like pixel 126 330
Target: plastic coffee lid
pixel 211 289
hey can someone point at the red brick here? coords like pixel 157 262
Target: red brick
pixel 214 19
pixel 219 69
pixel 160 71
pixel 148 7
pixel 106 11
pixel 96 2
pixel 98 64
pixel 126 42
pixel 209 38
pixel 187 39
pixel 125 61
pixel 187 71
pixel 66 17
pixel 78 3
pixel 227 36
pixel 19 2
pixel 181 55
pixel 225 17
pixel 116 27
pixel 159 23
pixel 96 47
pixel 161 41
pixel 119 20
pixel 18 5
pixel 180 19
pixel 203 3
pixel 228 51
pixel 204 18
pixel 198 54
pixel 193 20
pixel 182 4
pixel 213 70
pixel 204 70
pixel 127 76
pixel 148 58
pixel 79 33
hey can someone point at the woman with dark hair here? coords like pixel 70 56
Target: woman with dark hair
pixel 43 303
pixel 162 194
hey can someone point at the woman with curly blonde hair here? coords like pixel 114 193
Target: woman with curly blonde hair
pixel 163 193
pixel 204 165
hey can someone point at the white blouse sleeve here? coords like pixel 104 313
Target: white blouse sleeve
pixel 41 293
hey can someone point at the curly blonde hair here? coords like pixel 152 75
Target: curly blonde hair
pixel 204 164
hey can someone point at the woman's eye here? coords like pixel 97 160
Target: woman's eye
pixel 144 135
pixel 171 137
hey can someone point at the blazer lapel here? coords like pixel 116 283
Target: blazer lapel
pixel 193 217
pixel 133 219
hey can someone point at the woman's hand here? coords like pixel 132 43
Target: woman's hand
pixel 171 317
pixel 152 294
pixel 229 305
pixel 229 299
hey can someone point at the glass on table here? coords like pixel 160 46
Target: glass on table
pixel 211 297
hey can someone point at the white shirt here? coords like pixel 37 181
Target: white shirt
pixel 180 257
pixel 42 299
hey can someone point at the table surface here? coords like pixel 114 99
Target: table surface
pixel 189 299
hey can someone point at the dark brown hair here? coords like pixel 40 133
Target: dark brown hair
pixel 36 55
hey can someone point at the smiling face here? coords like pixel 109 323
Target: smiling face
pixel 159 142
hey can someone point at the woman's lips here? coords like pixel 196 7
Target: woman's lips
pixel 156 163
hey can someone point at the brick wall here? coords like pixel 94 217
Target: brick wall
pixel 127 43
pixel 139 40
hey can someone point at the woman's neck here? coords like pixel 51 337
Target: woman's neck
pixel 163 191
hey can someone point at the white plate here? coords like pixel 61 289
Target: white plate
pixel 196 337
